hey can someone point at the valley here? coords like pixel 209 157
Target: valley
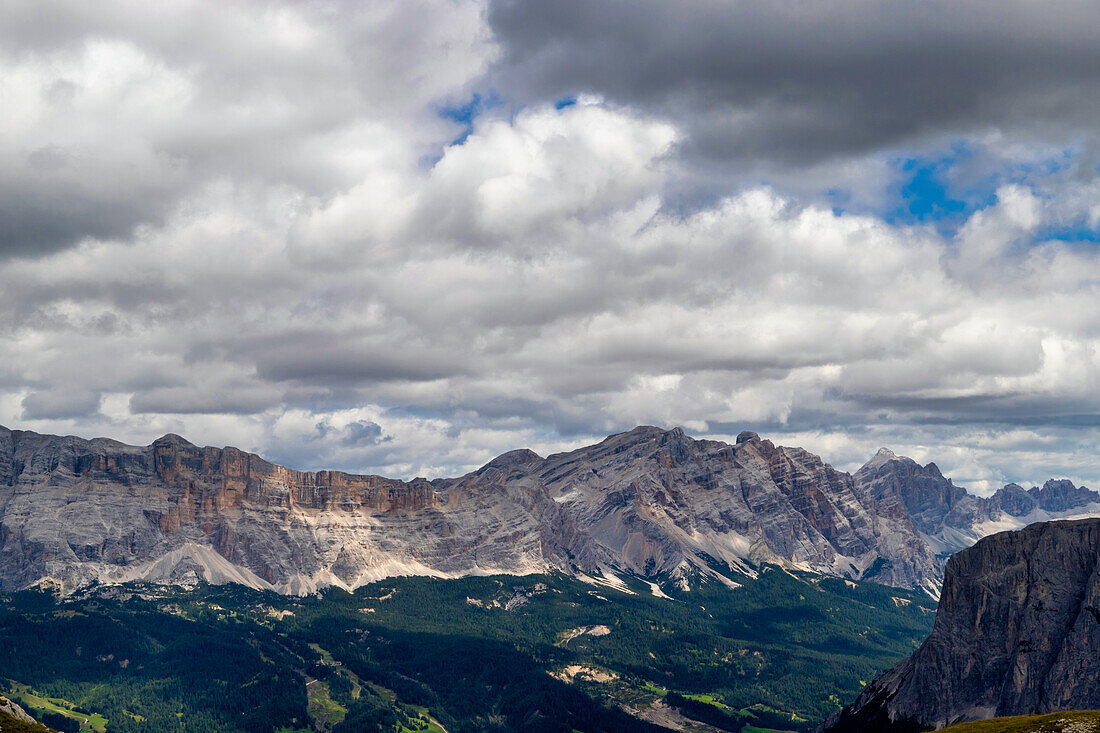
pixel 549 366
pixel 648 582
pixel 417 654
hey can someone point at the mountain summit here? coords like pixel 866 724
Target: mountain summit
pixel 649 502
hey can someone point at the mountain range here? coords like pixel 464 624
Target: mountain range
pixel 652 503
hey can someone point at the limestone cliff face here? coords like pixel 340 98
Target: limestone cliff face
pixel 73 511
pixel 922 492
pixel 1017 632
pixel 656 502
pixel 649 502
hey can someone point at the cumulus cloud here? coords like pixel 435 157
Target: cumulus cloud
pixel 116 114
pixel 252 225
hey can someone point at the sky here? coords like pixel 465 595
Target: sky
pixel 404 237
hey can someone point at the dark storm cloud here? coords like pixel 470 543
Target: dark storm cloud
pixel 365 432
pixel 37 220
pixel 53 404
pixel 799 82
pixel 333 359
pixel 242 400
pixel 347 368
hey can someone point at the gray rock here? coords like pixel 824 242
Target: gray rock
pixel 9 708
pixel 949 519
pixel 1016 633
pixel 648 502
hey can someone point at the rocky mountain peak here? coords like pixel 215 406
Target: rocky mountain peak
pixel 1058 495
pixel 512 459
pixel 675 434
pixel 639 434
pixel 1014 500
pixel 882 457
pixel 750 444
pixel 933 469
pixel 171 439
pixel 638 442
pixel 903 485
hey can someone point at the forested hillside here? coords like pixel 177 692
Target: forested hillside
pixel 498 653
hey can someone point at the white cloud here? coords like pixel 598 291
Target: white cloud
pixel 280 244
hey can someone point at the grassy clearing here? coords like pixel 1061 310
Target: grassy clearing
pixel 1074 721
pixel 433 724
pixel 89 723
pixel 326 656
pixel 708 699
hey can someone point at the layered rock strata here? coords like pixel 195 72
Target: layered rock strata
pixel 649 502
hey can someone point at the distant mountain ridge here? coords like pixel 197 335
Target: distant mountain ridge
pixel 949 518
pixel 649 502
pixel 1016 633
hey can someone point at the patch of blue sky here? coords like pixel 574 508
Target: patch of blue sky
pixel 840 199
pixel 1078 233
pixel 943 190
pixel 928 191
pixel 467 112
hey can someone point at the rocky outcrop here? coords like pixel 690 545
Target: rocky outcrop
pixel 11 710
pixel 649 502
pixel 1016 633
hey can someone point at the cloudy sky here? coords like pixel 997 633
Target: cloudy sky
pixel 403 237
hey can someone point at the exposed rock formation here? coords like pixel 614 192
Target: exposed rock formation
pixel 74 511
pixel 10 709
pixel 1016 633
pixel 650 502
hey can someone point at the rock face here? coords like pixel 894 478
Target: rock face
pixel 1016 633
pixel 649 502
pixel 74 511
pixel 10 709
